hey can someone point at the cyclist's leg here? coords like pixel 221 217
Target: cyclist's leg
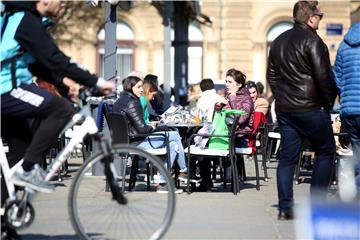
pixel 55 116
pixel 29 101
pixel 54 111
pixel 16 133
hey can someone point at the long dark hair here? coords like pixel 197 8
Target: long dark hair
pixel 129 82
pixel 251 84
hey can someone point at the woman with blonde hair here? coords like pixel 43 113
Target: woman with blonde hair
pixel 150 90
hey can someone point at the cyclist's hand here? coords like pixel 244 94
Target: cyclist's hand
pixel 73 88
pixel 106 87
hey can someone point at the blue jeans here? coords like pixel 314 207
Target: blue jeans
pixel 352 126
pixel 175 146
pixel 316 127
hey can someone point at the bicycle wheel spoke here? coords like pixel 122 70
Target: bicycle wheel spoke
pixel 147 214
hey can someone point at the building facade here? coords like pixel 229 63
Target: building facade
pixel 239 37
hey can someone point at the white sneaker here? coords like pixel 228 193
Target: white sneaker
pixel 34 179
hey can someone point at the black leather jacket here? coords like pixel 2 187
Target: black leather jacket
pixel 130 105
pixel 299 71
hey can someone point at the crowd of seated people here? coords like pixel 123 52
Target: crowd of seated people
pixel 138 101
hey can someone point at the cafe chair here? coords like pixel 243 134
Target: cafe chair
pixel 255 144
pixel 229 155
pixel 271 137
pixel 118 126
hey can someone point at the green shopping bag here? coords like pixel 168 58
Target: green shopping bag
pixel 220 128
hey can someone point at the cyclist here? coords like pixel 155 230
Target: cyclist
pixel 26 49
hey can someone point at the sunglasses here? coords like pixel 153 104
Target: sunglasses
pixel 320 15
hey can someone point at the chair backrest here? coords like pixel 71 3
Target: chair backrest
pixel 259 119
pixel 118 127
pixel 232 133
pixel 102 110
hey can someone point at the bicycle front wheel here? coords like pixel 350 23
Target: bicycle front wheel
pixel 147 214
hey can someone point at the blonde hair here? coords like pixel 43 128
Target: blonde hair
pixel 149 87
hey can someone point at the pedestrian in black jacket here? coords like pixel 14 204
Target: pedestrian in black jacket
pixel 300 76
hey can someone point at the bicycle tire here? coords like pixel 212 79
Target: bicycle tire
pixel 94 215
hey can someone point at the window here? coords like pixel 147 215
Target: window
pixel 124 53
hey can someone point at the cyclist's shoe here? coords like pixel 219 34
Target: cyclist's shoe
pixel 9 234
pixel 34 179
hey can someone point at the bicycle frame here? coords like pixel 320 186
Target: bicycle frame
pixel 88 126
pixel 7 172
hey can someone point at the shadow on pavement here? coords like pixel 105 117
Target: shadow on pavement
pixel 43 237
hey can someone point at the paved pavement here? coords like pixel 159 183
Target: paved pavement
pixel 217 215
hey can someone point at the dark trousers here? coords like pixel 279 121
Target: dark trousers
pixel 205 171
pixel 294 127
pixel 32 102
pixel 352 126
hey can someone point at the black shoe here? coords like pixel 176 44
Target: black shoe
pixel 9 234
pixel 202 188
pixel 284 216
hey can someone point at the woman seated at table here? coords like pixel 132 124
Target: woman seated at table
pixel 236 97
pixel 150 91
pixel 129 103
pixel 260 103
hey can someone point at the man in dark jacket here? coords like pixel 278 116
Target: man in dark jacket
pixel 301 79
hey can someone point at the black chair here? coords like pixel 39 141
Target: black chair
pixel 118 126
pixel 229 155
pixel 256 143
pixel 271 136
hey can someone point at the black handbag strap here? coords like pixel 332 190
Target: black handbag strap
pixel 163 144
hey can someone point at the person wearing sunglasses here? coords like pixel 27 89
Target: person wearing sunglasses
pixel 301 79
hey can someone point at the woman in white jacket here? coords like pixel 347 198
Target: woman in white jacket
pixel 208 98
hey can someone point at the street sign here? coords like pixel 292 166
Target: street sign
pixel 333 29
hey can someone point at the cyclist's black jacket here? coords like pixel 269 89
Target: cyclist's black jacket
pixel 50 62
pixel 299 71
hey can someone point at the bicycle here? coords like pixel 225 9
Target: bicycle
pixel 98 205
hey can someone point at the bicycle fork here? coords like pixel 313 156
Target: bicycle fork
pixel 110 172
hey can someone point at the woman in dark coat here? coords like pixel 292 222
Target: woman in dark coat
pixel 129 104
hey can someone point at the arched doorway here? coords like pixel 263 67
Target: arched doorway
pixel 275 31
